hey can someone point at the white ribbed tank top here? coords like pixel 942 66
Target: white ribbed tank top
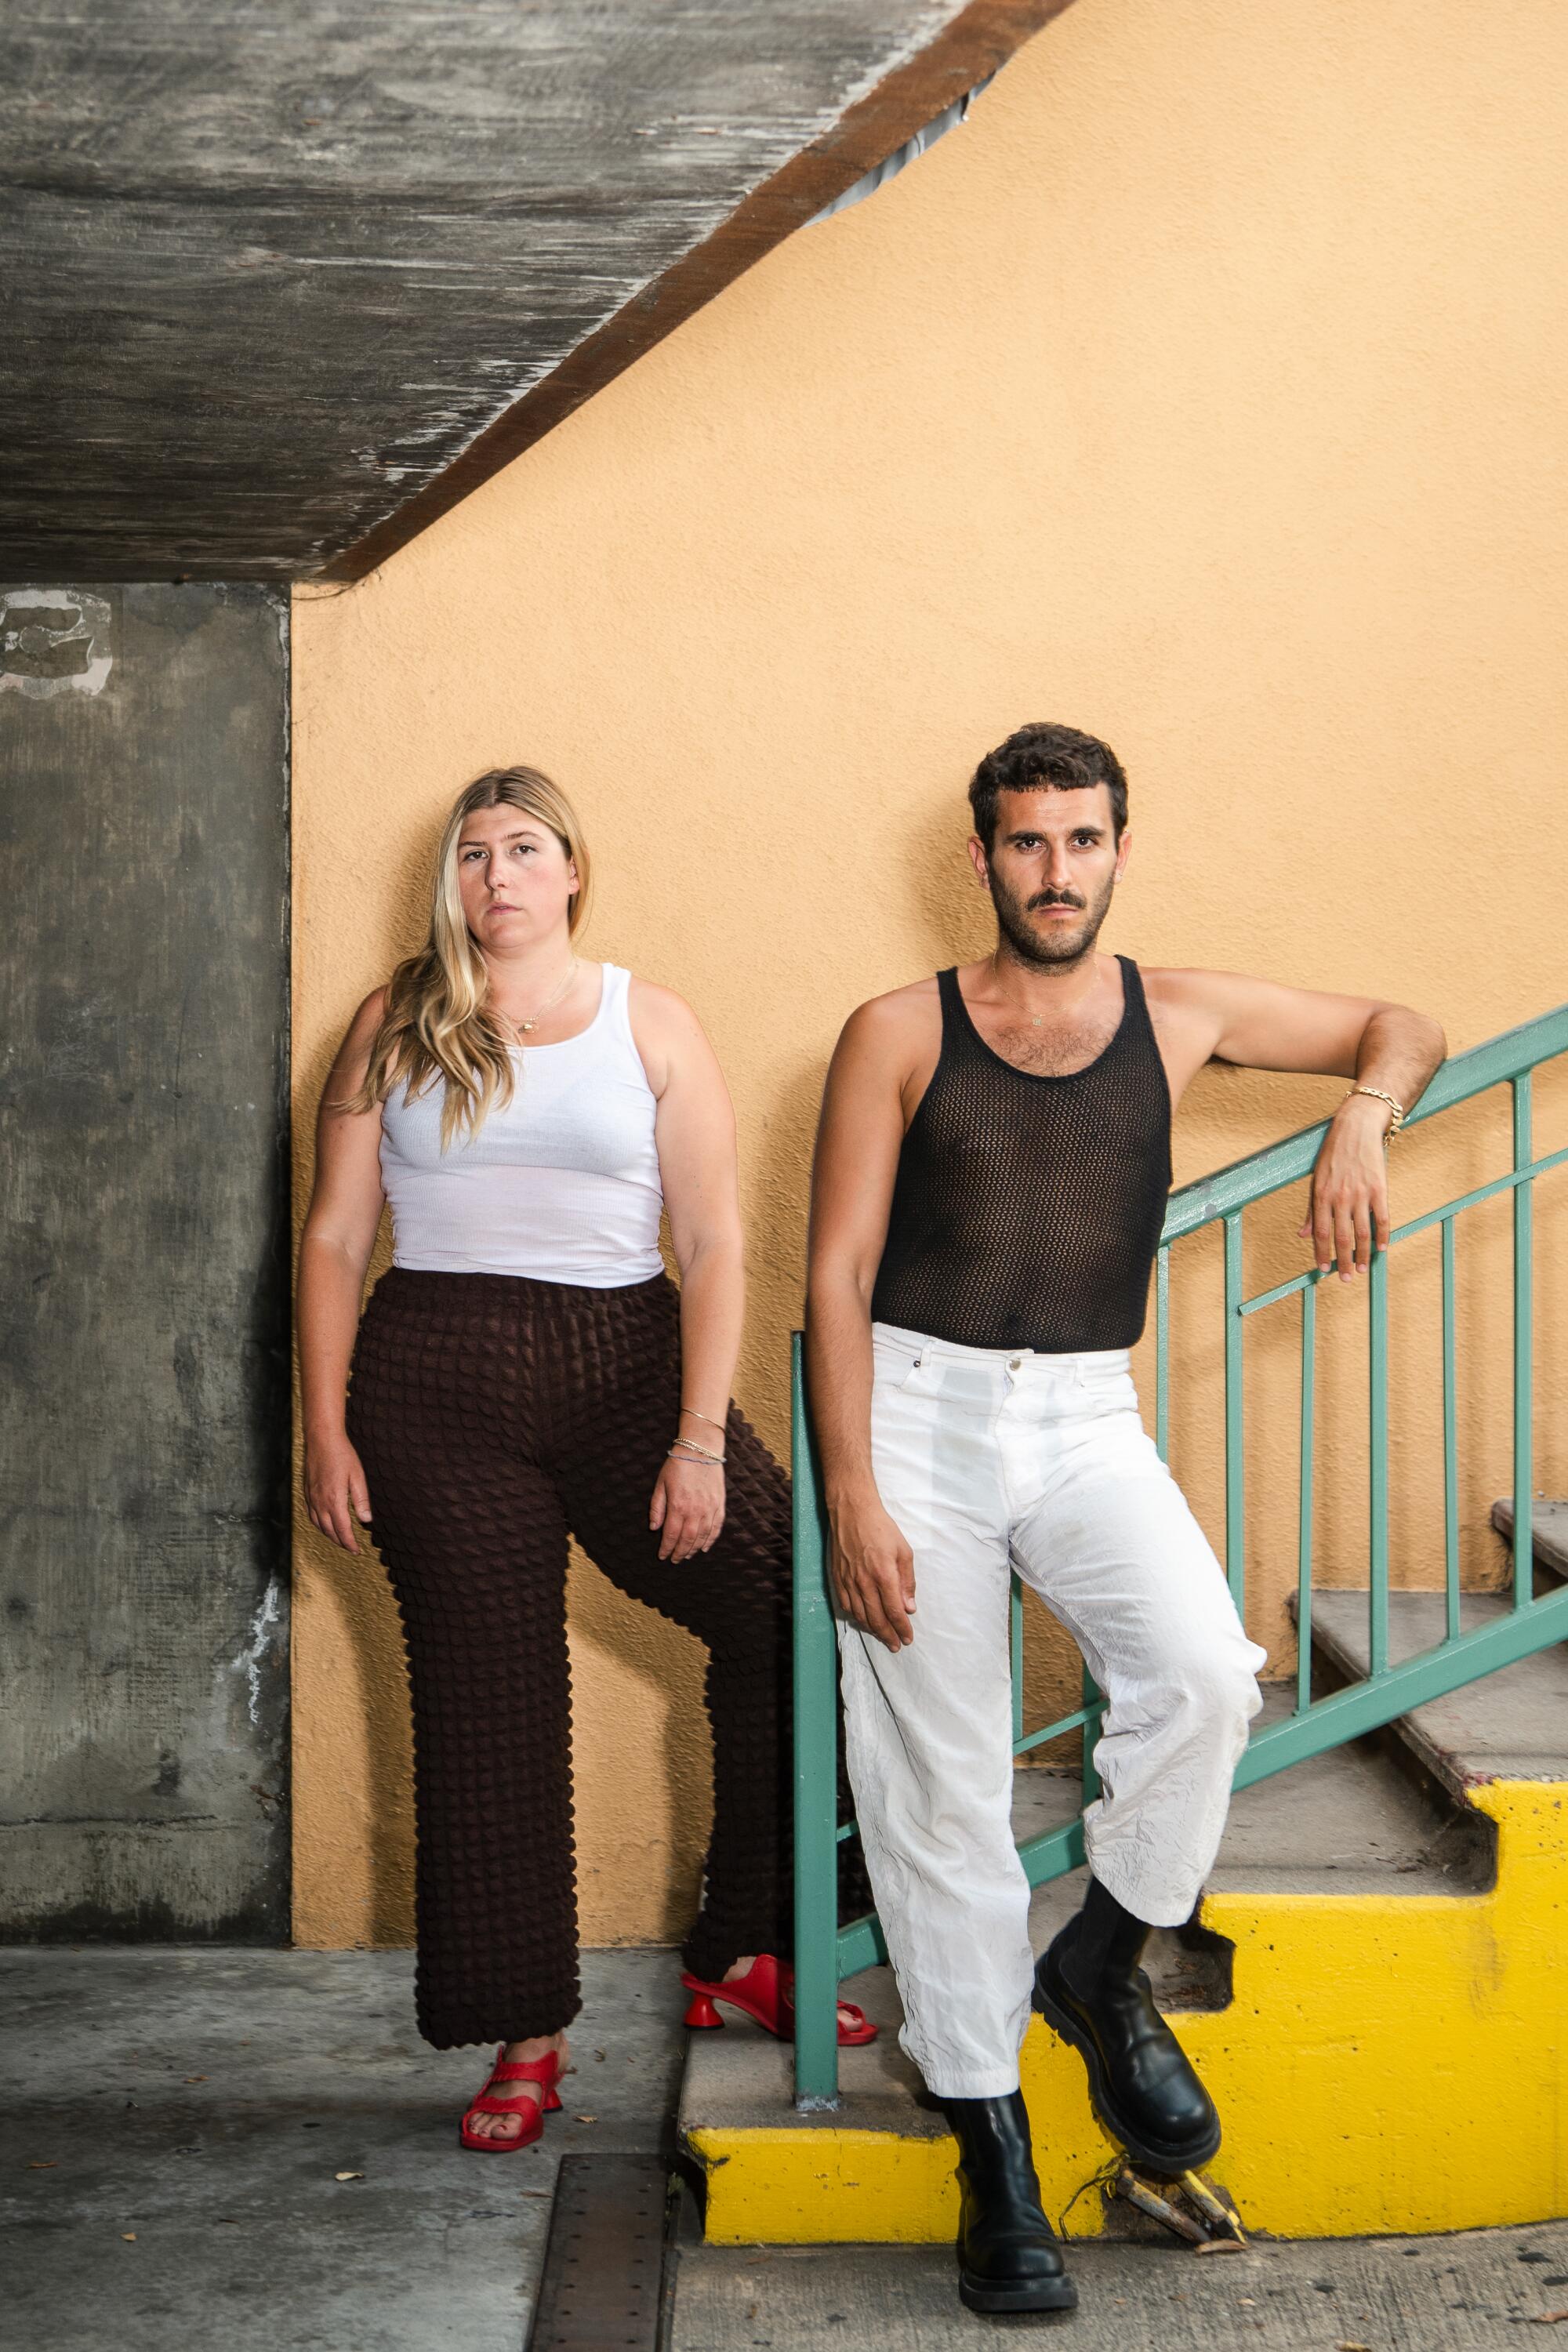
pixel 561 1183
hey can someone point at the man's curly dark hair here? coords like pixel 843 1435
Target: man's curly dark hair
pixel 1058 757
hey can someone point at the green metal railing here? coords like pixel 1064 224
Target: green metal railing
pixel 825 1952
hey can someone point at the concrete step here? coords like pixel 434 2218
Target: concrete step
pixel 1343 1823
pixel 1508 1725
pixel 1548 1529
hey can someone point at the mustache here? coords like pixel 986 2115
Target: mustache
pixel 1055 898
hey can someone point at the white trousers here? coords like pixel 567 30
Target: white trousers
pixel 988 1460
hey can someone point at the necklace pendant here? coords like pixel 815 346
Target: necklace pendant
pixel 526 1025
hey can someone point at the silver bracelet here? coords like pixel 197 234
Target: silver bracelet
pixel 678 1453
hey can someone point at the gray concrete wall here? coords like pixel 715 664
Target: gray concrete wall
pixel 143 1262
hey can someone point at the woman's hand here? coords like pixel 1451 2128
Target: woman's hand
pixel 335 1490
pixel 688 1505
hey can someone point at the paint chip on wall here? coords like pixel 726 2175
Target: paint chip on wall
pixel 54 641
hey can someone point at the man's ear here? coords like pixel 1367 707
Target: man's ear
pixel 979 860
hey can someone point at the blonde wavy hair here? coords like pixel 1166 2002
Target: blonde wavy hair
pixel 438 1023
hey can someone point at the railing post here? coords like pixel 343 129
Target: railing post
pixel 1015 1653
pixel 1162 1353
pixel 1089 1735
pixel 815 1777
pixel 1235 1429
pixel 1523 1383
pixel 1304 1502
pixel 1451 1444
pixel 1377 1478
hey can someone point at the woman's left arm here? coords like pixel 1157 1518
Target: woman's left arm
pixel 694 1131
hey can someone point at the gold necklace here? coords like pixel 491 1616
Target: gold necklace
pixel 523 1027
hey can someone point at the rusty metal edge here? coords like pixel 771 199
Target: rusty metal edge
pixel 980 39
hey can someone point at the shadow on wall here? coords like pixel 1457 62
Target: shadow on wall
pixel 953 910
pixel 952 923
pixel 351 1693
pixel 644 1810
pixel 955 926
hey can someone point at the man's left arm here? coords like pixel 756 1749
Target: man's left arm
pixel 1386 1048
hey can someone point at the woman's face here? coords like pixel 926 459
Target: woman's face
pixel 517 881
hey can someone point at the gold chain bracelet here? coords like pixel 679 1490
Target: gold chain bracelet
pixel 1397 1107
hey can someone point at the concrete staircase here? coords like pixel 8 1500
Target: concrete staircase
pixel 1377 1992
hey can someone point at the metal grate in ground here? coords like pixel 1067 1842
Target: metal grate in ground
pixel 602 2287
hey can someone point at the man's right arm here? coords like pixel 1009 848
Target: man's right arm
pixel 856 1161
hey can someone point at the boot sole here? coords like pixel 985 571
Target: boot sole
pixel 1032 2295
pixel 1158 2158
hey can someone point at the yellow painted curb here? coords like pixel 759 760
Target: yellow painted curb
pixel 1386 2063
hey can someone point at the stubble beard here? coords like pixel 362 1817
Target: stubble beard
pixel 1057 948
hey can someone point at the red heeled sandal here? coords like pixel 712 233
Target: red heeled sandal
pixel 546 2070
pixel 764 1993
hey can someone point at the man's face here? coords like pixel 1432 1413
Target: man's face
pixel 1053 863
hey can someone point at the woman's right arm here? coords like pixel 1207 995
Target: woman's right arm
pixel 335 1251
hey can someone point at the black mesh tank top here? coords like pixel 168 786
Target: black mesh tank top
pixel 1027 1211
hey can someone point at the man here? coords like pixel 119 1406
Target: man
pixel 991 1181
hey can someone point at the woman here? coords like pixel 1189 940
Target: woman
pixel 526 1369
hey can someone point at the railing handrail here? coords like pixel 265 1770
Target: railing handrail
pixel 1491 1064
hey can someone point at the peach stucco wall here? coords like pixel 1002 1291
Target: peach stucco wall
pixel 1203 391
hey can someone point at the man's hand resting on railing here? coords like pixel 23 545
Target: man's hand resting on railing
pixel 1261 1024
pixel 873 1571
pixel 1347 1205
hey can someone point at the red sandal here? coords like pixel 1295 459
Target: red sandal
pixel 546 2070
pixel 764 1993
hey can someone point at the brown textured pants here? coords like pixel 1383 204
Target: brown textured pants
pixel 495 1415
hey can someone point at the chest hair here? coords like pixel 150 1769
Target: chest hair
pixel 1052 1051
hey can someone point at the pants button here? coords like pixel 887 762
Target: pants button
pixel 1015 1363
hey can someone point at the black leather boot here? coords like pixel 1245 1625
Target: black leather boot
pixel 1007 2258
pixel 1090 1986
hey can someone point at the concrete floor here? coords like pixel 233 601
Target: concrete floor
pixel 1461 2293
pixel 306 2064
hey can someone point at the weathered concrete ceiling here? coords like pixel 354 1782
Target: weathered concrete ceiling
pixel 286 281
